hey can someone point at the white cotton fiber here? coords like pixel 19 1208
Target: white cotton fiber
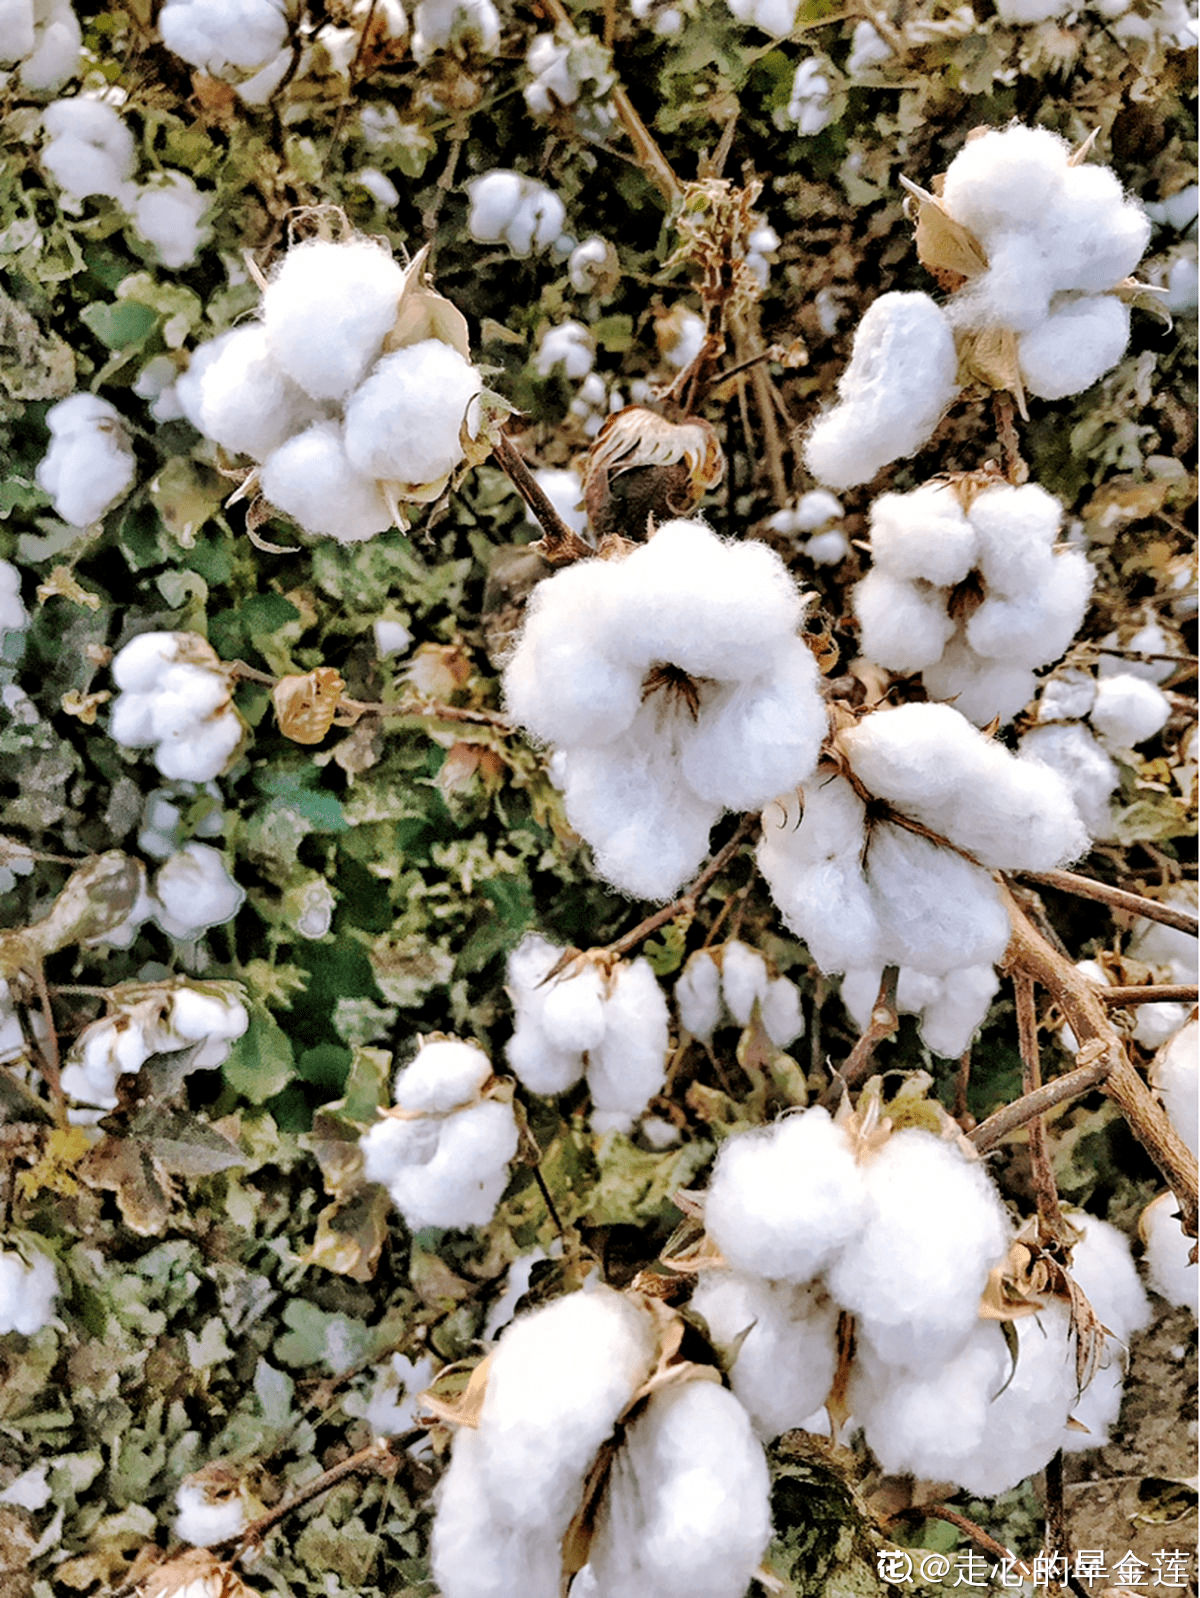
pixel 1067 696
pixel 1070 749
pixel 1003 179
pixel 1079 341
pixel 439 23
pixel 90 150
pixel 698 996
pixel 224 37
pixel 1128 710
pixel 167 213
pixel 476 1555
pixel 1102 1265
pixel 509 208
pixel 782 1340
pixel 442 1076
pixel 904 626
pixel 776 17
pixel 628 1066
pixel 933 1227
pixel 201 1521
pixel 27 1291
pixel 1099 235
pixel 688 1512
pixel 1174 1076
pixel 784 1200
pixel 574 1009
pixel 924 535
pixel 743 979
pixel 310 478
pixel 901 377
pixel 936 911
pixel 213 1017
pixel 44 39
pixel 463 1181
pixel 327 311
pixel 201 751
pixel 89 464
pixel 1168 1247
pixel 569 346
pixel 404 422
pixel 195 891
pixel 559 1379
pixel 246 403
pixel 950 1021
pixel 1015 529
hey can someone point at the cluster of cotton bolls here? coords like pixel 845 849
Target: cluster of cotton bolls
pixel 1169 20
pixel 510 208
pixel 686 1507
pixel 89 464
pixel 28 1290
pixel 868 893
pixel 158 1018
pixel 812 104
pixel 442 1152
pixel 1058 238
pixel 41 44
pixel 354 391
pixel 814 516
pixel 731 981
pixel 568 347
pixel 177 696
pixel 1082 722
pixel 674 686
pixel 90 151
pixel 443 24
pixel 605 1021
pixel 967 588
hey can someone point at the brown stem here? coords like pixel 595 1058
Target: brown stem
pixel 1029 952
pixel 433 711
pixel 962 1081
pixel 1151 993
pixel 1057 1537
pixel 687 899
pixel 1120 898
pixel 1015 469
pixel 560 544
pixel 382 1456
pixel 1049 1210
pixel 1072 1085
pixel 48 1048
pixel 884 1021
pixel 978 1536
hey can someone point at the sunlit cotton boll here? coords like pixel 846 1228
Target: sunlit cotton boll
pixel 1174 1076
pixel 405 422
pixel 89 465
pixel 167 213
pixel 311 478
pixel 628 1066
pixel 784 1201
pixel 227 38
pixel 28 1291
pixel 195 891
pixel 176 696
pixel 42 39
pixel 247 404
pixel 903 374
pixel 1167 1254
pixel 89 151
pixel 1127 710
pixel 438 24
pixel 202 1520
pixel 509 208
pixel 568 346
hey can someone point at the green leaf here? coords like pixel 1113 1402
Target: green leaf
pixel 119 325
pixel 273 1389
pixel 260 1064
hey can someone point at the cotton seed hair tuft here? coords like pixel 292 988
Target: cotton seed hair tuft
pixel 177 696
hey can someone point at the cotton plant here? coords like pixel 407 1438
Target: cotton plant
pixel 595 1018
pixel 593 266
pixel 729 982
pixel 814 518
pixel 243 42
pixel 517 211
pixel 89 464
pixel 685 1508
pixel 443 1149
pixel 40 44
pixel 28 1290
pixel 889 858
pixel 176 696
pixel 968 587
pixel 674 685
pixel 151 1018
pixel 776 17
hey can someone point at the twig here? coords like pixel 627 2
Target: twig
pixel 962 1081
pixel 1151 993
pixel 1120 898
pixel 1050 1216
pixel 51 1063
pixel 884 1021
pixel 1015 469
pixel 687 899
pixel 561 544
pixel 1071 1085
pixel 381 1456
pixel 1057 1537
pixel 981 1538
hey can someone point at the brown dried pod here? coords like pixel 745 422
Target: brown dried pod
pixel 305 705
pixel 645 470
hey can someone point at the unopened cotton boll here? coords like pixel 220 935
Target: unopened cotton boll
pixel 89 464
pixel 311 479
pixel 167 213
pixel 327 311
pixel 901 377
pixel 785 1200
pixel 1174 1076
pixel 405 422
pixel 28 1291
pixel 1128 710
pixel 687 1513
pixel 932 1228
pixel 194 891
pixel 90 150
pixel 1167 1255
pixel 783 1341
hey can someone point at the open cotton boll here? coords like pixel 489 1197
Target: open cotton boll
pixel 933 1227
pixel 1128 710
pixel 310 478
pixel 573 1010
pixel 783 1201
pixel 1067 696
pixel 214 1019
pixel 743 979
pixel 980 689
pixel 924 535
pixel 90 150
pixel 903 374
pixel 1174 1075
pixel 1102 1264
pixel 777 17
pixel 89 465
pixel 1006 181
pixel 246 404
pixel 558 1381
pixel 55 45
pixel 950 1021
pixel 786 1358
pixel 201 1521
pixel 811 104
pixel 201 751
pixel 1091 776
pixel 1099 236
pixel 1078 342
pixel 462 1182
pixel 508 208
pixel 1156 1024
pixel 13 616
pixel 1014 290
pixel 569 346
pixel 687 1514
pixel 936 911
pixel 438 24
pixel 195 891
pixel 224 37
pixel 1168 1248
pixel 1015 529
pixel 391 1144
pixel 442 1076
pixel 167 213
pixel 27 1292
pixel 1151 639
pixel 628 1067
pixel 698 996
pixel 903 626
pixel 327 311
pixel 782 1015
pixel 186 694
pixel 473 1553
pixel 406 420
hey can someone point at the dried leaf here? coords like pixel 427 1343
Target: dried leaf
pixel 83 705
pixel 200 1574
pixel 62 584
pixel 674 465
pixel 143 1189
pixel 305 705
pixel 466 1409
pixel 991 358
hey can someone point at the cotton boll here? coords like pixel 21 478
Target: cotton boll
pixel 782 1015
pixel 559 1379
pixel 90 150
pixel 1098 235
pixel 443 1075
pixel 936 910
pixel 438 24
pixel 55 52
pixel 902 626
pixel 310 479
pixel 201 751
pixel 1078 342
pixel 518 211
pixel 787 1357
pixel 901 377
pixel 810 104
pixel 1022 13
pixel 213 1019
pixel 391 1144
pixel 1091 776
pixel 1067 696
pixel 743 979
pixel 194 892
pixel 1015 528
pixel 573 1010
pixel 950 1021
pixel 89 464
pixel 914 1274
pixel 1014 290
pixel 867 50
pixel 463 1182
pixel 1102 1265
pixel 327 312
pixel 628 1067
pixel 1006 181
pixel 681 335
pixel 405 422
pixel 785 1200
pixel 223 37
pixel 475 1555
pixel 1128 710
pixel 698 996
pixel 1167 1250
pixel 495 198
pixel 979 689
pixel 186 694
pixel 777 17
pixel 27 1292
pixel 538 1066
pixel 167 213
pixel 1156 1024
pixel 569 346
pixel 1174 1075
pixel 1040 624
pixel 924 535
pixel 688 1508
pixel 202 1522
pixel 246 404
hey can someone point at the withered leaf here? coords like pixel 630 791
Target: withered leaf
pixel 143 1189
pixel 351 1234
pixel 950 251
pixel 991 357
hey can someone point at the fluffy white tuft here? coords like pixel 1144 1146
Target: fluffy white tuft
pixel 89 465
